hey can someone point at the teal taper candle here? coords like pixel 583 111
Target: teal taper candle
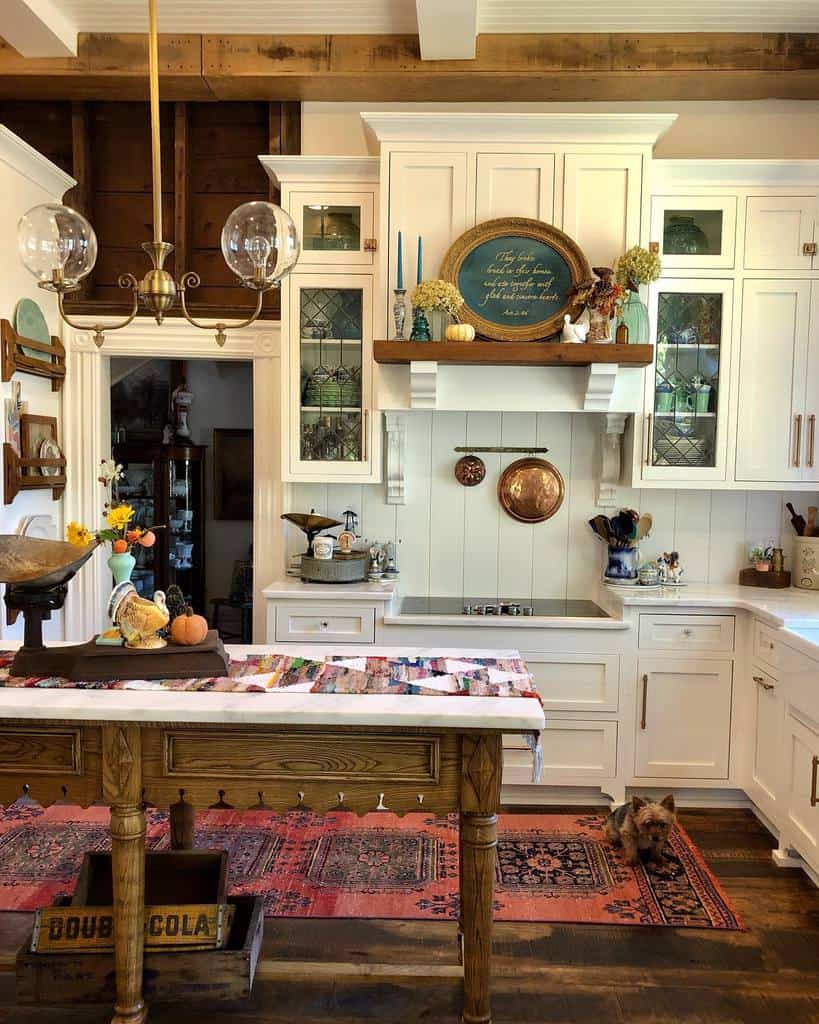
pixel 420 271
pixel 399 277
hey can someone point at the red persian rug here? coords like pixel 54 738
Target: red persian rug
pixel 551 867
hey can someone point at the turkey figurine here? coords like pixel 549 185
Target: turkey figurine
pixel 137 618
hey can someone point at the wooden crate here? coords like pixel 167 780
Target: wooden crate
pixel 171 876
pixel 226 974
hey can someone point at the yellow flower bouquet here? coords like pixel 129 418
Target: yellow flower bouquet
pixel 437 294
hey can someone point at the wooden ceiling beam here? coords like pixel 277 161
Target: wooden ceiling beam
pixel 589 67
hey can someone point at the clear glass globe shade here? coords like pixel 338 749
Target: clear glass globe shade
pixel 260 243
pixel 53 238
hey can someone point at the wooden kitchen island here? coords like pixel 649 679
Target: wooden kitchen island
pixel 280 749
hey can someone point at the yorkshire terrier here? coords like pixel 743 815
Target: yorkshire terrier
pixel 642 828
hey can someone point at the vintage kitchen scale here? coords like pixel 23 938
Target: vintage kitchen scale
pixel 343 567
pixel 37 572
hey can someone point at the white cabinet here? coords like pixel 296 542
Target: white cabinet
pixel 683 718
pixel 779 233
pixel 575 753
pixel 766 764
pixel 802 766
pixel 686 433
pixel 336 228
pixel 601 203
pixel 329 431
pixel 431 194
pixel 515 185
pixel 694 232
pixel 778 402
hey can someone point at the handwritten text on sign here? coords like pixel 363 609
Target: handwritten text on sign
pixel 515 281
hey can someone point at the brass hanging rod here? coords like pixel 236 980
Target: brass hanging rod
pixel 502 448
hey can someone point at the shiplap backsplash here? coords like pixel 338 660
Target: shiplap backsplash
pixel 457 541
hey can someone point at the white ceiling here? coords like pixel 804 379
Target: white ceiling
pixel 384 16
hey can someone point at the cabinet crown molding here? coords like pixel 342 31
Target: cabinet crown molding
pixel 33 165
pixel 333 170
pixel 544 128
pixel 676 174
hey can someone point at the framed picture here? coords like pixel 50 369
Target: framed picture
pixel 38 440
pixel 232 473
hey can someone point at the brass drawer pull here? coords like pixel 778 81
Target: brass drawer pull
pixel 798 431
pixel 760 681
pixel 814 800
pixel 811 438
pixel 365 439
pixel 645 701
pixel 648 440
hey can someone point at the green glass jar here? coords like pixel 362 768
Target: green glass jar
pixel 634 315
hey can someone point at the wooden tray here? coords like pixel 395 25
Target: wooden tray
pixel 92 663
pixel 771 580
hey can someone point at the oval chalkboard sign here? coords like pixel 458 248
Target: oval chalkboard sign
pixel 516 276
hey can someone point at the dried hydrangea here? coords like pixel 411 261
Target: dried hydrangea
pixel 637 266
pixel 437 295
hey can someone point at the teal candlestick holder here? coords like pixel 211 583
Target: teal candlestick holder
pixel 420 326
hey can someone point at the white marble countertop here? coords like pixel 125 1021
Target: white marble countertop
pixel 789 607
pixel 294 589
pixel 284 707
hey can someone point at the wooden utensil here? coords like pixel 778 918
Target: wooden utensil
pixel 644 524
pixel 797 521
pixel 810 526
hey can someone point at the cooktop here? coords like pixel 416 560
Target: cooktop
pixel 551 607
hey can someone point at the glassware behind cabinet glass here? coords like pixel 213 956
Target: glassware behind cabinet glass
pixel 686 381
pixel 331 326
pixel 692 232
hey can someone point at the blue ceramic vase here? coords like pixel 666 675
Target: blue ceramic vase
pixel 121 566
pixel 623 564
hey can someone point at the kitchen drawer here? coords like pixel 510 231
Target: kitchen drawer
pixel 572 752
pixel 687 633
pixel 576 682
pixel 766 645
pixel 337 623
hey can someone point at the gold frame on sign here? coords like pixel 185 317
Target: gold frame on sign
pixel 524 227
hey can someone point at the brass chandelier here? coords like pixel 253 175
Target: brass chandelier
pixel 59 247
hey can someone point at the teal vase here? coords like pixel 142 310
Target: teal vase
pixel 634 315
pixel 121 566
pixel 420 326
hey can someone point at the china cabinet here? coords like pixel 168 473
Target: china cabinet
pixel 779 371
pixel 694 232
pixel 329 430
pixel 686 421
pixel 165 485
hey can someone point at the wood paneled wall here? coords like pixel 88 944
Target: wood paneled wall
pixel 457 541
pixel 209 167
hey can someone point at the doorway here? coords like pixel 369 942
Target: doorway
pixel 183 432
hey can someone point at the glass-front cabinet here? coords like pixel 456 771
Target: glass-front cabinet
pixel 335 228
pixel 694 232
pixel 330 377
pixel 686 417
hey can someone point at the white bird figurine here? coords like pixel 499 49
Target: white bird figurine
pixel 573 332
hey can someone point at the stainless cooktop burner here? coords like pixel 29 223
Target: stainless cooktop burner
pixel 550 607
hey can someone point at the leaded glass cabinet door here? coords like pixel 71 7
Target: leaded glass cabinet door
pixel 330 327
pixel 694 232
pixel 687 387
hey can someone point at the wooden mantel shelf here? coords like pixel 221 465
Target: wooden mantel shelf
pixel 512 353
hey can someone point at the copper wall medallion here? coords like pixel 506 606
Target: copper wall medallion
pixel 531 490
pixel 470 470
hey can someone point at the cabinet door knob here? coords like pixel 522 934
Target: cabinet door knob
pixel 324 625
pixel 688 631
pixel 760 681
pixel 809 248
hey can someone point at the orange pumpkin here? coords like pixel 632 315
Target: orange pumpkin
pixel 189 629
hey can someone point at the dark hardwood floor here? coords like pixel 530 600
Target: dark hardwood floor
pixel 543 973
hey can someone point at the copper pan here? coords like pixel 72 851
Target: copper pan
pixel 531 490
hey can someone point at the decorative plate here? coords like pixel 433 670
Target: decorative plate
pixel 470 470
pixel 29 322
pixel 531 490
pixel 49 449
pixel 516 276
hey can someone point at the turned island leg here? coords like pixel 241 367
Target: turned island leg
pixel 482 765
pixel 122 782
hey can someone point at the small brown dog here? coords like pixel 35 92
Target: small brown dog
pixel 642 827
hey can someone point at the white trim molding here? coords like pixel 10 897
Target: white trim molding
pixel 321 170
pixel 600 387
pixel 611 457
pixel 87 438
pixel 38 28
pixel 33 165
pixel 454 126
pixel 395 429
pixel 423 384
pixel 673 175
